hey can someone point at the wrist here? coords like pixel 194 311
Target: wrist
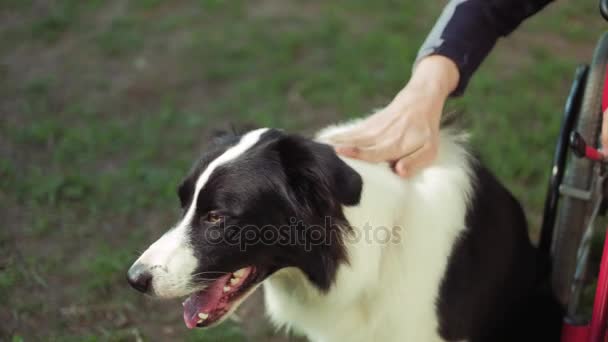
pixel 436 74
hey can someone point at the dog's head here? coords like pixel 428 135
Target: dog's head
pixel 253 204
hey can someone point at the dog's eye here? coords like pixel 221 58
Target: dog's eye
pixel 213 217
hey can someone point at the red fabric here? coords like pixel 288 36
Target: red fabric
pixel 575 333
pixel 605 93
pixel 593 154
pixel 597 329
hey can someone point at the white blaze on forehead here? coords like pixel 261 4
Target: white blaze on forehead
pixel 171 259
pixel 232 153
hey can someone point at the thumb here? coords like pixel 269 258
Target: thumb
pixel 411 164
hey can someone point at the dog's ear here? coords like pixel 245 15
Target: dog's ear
pixel 316 174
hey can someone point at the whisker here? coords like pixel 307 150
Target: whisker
pixel 211 273
pixel 207 279
pixel 204 276
pixel 221 272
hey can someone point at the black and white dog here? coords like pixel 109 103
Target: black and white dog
pixel 349 251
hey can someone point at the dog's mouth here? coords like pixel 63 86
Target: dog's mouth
pixel 209 306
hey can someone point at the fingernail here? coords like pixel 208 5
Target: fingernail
pixel 350 151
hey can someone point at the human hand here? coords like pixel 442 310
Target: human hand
pixel 406 132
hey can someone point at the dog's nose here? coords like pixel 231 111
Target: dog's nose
pixel 140 278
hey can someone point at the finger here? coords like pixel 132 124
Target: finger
pixel 376 153
pixel 347 151
pixel 411 164
pixel 604 135
pixel 356 137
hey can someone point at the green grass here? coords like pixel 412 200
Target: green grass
pixel 121 37
pixel 228 333
pixel 106 104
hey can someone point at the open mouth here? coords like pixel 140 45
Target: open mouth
pixel 209 306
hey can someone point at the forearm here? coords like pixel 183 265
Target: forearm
pixel 436 73
pixel 435 76
pixel 467 30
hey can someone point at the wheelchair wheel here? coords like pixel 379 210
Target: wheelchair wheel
pixel 577 199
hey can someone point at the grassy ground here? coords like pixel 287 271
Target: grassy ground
pixel 104 104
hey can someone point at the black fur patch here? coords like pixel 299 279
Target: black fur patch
pixel 496 284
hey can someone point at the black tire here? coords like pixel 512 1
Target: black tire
pixel 573 212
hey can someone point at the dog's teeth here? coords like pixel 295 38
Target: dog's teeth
pixel 226 288
pixel 234 281
pixel 203 316
pixel 239 273
pixel 199 321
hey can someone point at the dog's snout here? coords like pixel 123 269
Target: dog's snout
pixel 140 278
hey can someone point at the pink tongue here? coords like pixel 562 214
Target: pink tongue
pixel 204 301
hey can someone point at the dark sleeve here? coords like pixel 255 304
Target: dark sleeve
pixel 467 30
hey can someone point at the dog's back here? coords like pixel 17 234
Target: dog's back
pixel 458 264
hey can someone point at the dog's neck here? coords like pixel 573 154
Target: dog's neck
pixel 397 223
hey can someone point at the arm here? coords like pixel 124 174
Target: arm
pixel 467 30
pixel 406 131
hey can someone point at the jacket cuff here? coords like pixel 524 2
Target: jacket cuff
pixel 466 57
